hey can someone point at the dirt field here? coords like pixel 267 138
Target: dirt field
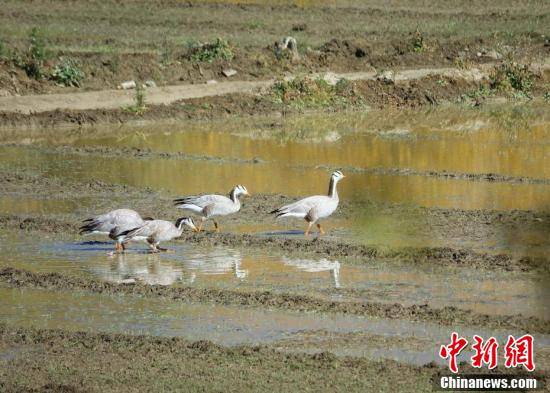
pixel 437 115
pixel 43 204
pixel 143 40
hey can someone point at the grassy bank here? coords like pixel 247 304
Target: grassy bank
pixel 173 42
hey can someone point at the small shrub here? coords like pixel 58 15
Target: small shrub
pixel 36 55
pixel 477 96
pixel 140 96
pixel 17 59
pixel 314 93
pixel 418 41
pixel 512 77
pixel 67 73
pixel 139 101
pixel 255 25
pixel 342 85
pixel 210 51
pixel 462 62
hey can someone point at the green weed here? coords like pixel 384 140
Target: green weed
pixel 3 50
pixel 36 55
pixel 307 92
pixel 166 51
pixel 219 49
pixel 512 77
pixel 139 101
pixel 68 73
pixel 417 41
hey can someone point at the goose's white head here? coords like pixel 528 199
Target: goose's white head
pixel 239 190
pixel 337 176
pixel 187 221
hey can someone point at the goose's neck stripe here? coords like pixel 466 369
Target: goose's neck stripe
pixel 332 189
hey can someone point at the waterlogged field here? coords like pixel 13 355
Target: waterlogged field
pixel 443 226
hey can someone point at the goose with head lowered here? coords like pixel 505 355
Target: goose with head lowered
pixel 209 206
pixel 155 231
pixel 112 224
pixel 314 208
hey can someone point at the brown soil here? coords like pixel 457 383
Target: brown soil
pixel 107 71
pixel 451 316
pixel 35 360
pixel 413 94
pixel 61 361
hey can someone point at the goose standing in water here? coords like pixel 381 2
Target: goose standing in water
pixel 112 224
pixel 208 206
pixel 155 231
pixel 313 208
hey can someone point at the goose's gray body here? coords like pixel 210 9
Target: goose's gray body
pixel 316 207
pixel 113 224
pixel 209 206
pixel 156 231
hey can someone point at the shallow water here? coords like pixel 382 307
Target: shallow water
pixel 222 324
pixel 485 292
pixel 293 157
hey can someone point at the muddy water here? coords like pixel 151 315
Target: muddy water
pixel 226 325
pixel 196 176
pixel 222 267
pixel 292 156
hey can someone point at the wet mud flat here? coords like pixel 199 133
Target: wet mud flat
pixel 41 359
pixel 423 243
pixel 30 202
pixel 447 315
pixel 35 359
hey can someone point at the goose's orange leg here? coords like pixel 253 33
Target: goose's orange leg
pixel 320 229
pixel 308 228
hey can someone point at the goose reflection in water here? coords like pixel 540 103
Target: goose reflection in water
pixel 148 269
pixel 316 266
pixel 217 262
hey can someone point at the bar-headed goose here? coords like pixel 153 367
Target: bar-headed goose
pixel 155 231
pixel 315 207
pixel 208 206
pixel 112 224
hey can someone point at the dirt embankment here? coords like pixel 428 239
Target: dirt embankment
pixel 38 360
pixel 373 93
pixel 359 94
pixel 447 316
pixel 60 361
